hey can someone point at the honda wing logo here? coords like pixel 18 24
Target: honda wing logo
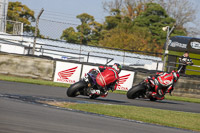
pixel 66 74
pixel 122 80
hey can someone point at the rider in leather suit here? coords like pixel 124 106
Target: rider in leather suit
pixel 108 78
pixel 162 83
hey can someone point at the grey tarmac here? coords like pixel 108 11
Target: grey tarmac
pixel 20 116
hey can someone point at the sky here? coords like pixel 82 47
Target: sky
pixel 64 13
pixel 70 8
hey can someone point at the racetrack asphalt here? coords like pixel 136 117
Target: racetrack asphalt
pixel 25 116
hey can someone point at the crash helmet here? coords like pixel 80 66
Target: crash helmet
pixel 117 67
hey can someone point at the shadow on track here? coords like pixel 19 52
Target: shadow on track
pixel 102 100
pixel 158 101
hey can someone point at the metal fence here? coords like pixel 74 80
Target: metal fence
pixel 67 51
pixel 53 29
pixel 54 47
pixel 173 64
pixel 94 54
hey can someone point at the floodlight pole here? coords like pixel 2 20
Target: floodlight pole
pixel 167 45
pixel 36 29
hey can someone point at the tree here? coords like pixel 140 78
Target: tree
pixel 137 39
pixel 85 28
pixel 129 8
pixel 116 5
pixel 88 32
pixel 85 18
pixel 184 12
pixel 140 31
pixel 114 20
pixel 21 13
pixel 71 36
pixel 154 18
pixel 96 32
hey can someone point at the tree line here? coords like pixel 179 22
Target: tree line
pixel 131 24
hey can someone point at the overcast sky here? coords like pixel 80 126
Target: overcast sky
pixel 67 10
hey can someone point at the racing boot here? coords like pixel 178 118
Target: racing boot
pixel 104 94
pixel 158 97
pixel 94 92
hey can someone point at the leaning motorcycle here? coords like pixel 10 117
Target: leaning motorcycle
pixel 86 86
pixel 144 89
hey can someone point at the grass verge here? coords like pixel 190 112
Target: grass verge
pixel 32 81
pixel 184 99
pixel 50 83
pixel 167 97
pixel 169 118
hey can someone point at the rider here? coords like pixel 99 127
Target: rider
pixel 108 78
pixel 184 60
pixel 163 82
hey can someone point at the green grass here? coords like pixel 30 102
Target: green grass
pixel 184 99
pixel 32 81
pixel 51 83
pixel 169 118
pixel 167 97
pixel 119 92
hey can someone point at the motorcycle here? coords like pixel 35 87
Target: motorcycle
pixel 144 89
pixel 87 86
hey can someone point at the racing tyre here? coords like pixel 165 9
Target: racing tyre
pixel 74 90
pixel 153 99
pixel 135 91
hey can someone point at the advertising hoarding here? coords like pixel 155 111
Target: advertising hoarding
pixel 67 72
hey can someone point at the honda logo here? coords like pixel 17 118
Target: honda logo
pixel 122 80
pixel 66 74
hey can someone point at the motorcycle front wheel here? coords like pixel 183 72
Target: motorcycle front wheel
pixel 135 91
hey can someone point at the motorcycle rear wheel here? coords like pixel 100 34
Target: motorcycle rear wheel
pixel 74 89
pixel 152 99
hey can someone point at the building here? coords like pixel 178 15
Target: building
pixel 3 14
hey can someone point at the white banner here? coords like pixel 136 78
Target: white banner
pixel 87 68
pixel 125 80
pixel 67 72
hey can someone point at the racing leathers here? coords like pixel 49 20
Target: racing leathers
pixel 107 79
pixel 162 83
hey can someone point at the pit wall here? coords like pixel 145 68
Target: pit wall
pixel 41 68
